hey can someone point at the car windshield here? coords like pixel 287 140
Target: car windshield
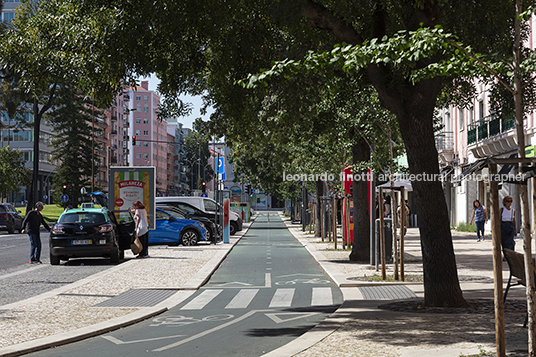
pixel 210 205
pixel 2 209
pixel 82 217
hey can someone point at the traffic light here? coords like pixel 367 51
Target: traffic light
pixel 248 188
pixel 204 187
pixel 134 140
pixel 64 187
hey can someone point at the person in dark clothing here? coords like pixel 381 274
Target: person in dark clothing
pixel 33 220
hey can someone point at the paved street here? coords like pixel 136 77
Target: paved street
pixel 267 292
pixel 20 280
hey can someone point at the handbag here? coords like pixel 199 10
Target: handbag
pixel 136 246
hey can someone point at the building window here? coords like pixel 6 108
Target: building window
pixel 146 132
pixel 460 119
pixel 138 108
pixel 138 132
pixel 146 109
pixel 145 97
pixel 138 97
pixel 471 118
pixel 146 144
pixel 9 16
pixel 145 156
pixel 138 155
pixel 145 121
pixel 138 121
pixel 481 110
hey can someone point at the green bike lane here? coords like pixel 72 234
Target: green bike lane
pixel 266 293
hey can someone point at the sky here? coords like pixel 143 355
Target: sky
pixel 196 102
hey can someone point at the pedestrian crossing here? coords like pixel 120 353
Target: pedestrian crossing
pixel 283 297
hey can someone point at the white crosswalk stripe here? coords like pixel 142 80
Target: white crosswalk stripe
pixel 282 298
pixel 202 300
pixel 242 299
pixel 322 297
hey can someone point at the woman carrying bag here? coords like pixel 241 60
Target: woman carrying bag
pixel 142 227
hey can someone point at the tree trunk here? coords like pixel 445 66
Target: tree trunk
pixel 361 244
pixel 523 190
pixel 414 111
pixel 318 217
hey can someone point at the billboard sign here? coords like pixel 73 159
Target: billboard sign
pixel 129 184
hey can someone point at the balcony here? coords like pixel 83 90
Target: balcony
pixel 114 132
pixel 126 137
pixel 126 124
pixel 444 141
pixel 126 97
pixel 488 127
pixel 491 135
pixel 114 118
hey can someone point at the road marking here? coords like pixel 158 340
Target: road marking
pixel 275 317
pixel 242 299
pixel 22 271
pixel 268 280
pixel 202 300
pixel 204 333
pixel 119 342
pixel 286 276
pixel 282 298
pixel 322 297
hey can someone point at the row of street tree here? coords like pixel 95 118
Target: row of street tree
pixel 338 74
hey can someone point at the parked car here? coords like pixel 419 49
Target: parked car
pixel 209 225
pixel 10 219
pixel 202 206
pixel 91 232
pixel 172 228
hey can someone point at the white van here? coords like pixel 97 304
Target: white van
pixel 205 205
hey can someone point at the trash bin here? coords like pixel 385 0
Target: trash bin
pixel 388 229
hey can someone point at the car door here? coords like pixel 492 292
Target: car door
pixel 167 229
pixel 17 218
pixel 125 228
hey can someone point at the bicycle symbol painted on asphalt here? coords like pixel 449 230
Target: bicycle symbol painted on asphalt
pixel 303 281
pixel 185 320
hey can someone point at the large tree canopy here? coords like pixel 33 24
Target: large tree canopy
pixel 205 46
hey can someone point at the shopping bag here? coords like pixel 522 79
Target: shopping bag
pixel 136 247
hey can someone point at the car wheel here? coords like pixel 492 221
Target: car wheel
pixel 11 229
pixel 121 255
pixel 54 260
pixel 115 256
pixel 190 237
pixel 233 228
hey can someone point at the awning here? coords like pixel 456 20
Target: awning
pixel 397 185
pixel 475 166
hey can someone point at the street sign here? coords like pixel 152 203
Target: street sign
pixel 204 194
pixel 64 198
pixel 220 164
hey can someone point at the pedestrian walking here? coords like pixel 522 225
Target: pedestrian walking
pixel 480 216
pixel 142 227
pixel 33 220
pixel 508 224
pixel 403 221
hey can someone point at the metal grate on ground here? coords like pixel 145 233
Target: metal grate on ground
pixel 386 292
pixel 138 298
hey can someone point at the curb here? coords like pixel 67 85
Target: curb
pixel 186 290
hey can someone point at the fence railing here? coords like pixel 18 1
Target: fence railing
pixel 488 127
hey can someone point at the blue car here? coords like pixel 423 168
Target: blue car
pixel 173 228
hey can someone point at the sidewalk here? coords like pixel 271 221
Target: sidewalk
pixel 78 310
pixel 363 326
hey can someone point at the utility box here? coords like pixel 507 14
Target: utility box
pixel 388 229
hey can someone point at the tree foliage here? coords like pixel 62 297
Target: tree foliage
pixel 75 122
pixel 12 171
